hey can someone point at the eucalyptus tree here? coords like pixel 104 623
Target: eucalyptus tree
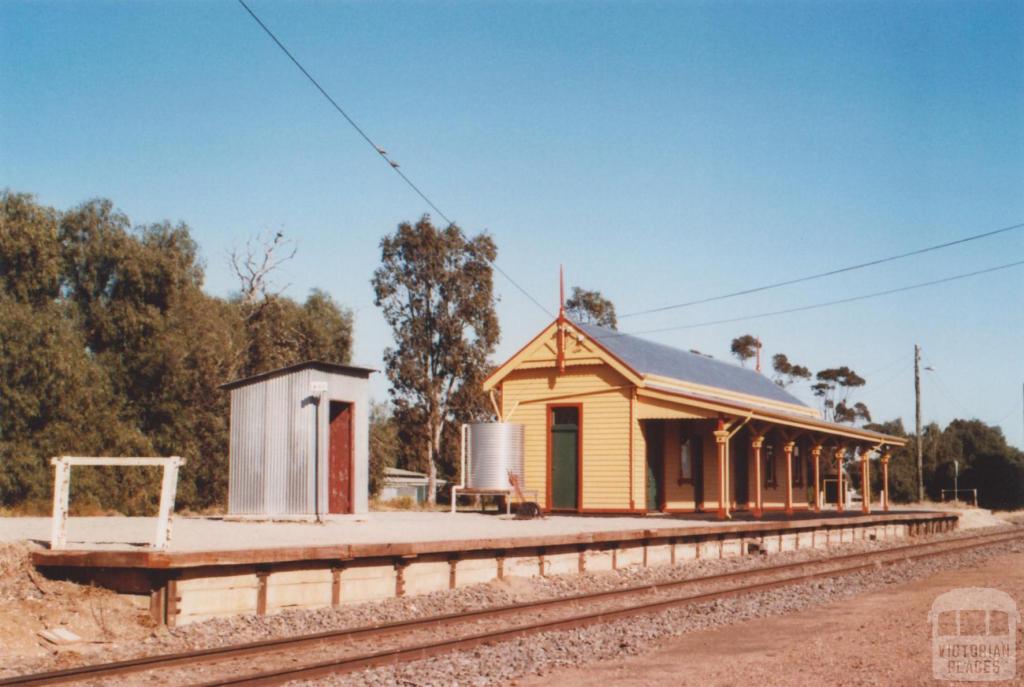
pixel 833 386
pixel 110 346
pixel 435 289
pixel 787 372
pixel 591 307
pixel 745 347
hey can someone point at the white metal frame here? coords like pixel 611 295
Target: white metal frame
pixel 62 483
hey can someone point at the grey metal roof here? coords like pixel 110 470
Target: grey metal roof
pixel 647 357
pixel 333 368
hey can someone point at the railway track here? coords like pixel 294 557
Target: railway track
pixel 339 651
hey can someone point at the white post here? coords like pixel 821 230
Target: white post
pixel 168 489
pixel 61 496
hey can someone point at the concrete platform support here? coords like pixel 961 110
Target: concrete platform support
pixel 687 551
pixel 598 559
pixel 630 555
pixel 426 575
pixel 477 568
pixel 299 587
pixel 200 596
pixel 523 563
pixel 563 560
pixel 208 590
pixel 659 554
pixel 368 582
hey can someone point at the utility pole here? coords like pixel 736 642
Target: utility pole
pixel 956 481
pixel 917 408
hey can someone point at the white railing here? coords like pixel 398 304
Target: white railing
pixel 61 493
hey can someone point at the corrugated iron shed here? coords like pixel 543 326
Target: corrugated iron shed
pixel 281 433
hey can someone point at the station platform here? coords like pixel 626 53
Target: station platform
pixel 218 567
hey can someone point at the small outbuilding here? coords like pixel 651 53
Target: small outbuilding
pixel 399 483
pixel 300 441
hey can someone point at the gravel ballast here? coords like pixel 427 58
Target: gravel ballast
pixel 520 657
pixel 542 653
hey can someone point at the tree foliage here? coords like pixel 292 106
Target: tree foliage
pixel 987 463
pixel 786 373
pixel 110 346
pixel 833 387
pixel 435 289
pixel 384 445
pixel 591 307
pixel 745 347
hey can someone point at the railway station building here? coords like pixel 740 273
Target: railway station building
pixel 617 424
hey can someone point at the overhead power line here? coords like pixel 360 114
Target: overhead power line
pixel 377 149
pixel 829 273
pixel 826 304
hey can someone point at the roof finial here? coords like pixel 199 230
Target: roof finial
pixel 561 319
pixel 561 292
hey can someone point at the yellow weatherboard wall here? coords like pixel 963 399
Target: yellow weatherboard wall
pixel 604 394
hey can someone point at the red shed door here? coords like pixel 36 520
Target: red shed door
pixel 339 469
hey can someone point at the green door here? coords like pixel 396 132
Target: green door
pixel 565 446
pixel 655 459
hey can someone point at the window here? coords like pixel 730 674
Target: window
pixel 567 415
pixel 690 449
pixel 798 467
pixel 769 466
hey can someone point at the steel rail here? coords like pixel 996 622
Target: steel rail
pixel 154 662
pixel 430 649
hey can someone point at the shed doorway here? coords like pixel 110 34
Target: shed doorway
pixel 565 457
pixel 339 458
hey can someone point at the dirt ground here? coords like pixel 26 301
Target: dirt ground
pixel 29 603
pixel 882 638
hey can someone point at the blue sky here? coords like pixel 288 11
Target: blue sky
pixel 662 152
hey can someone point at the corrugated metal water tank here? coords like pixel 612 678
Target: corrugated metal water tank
pixel 495 449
